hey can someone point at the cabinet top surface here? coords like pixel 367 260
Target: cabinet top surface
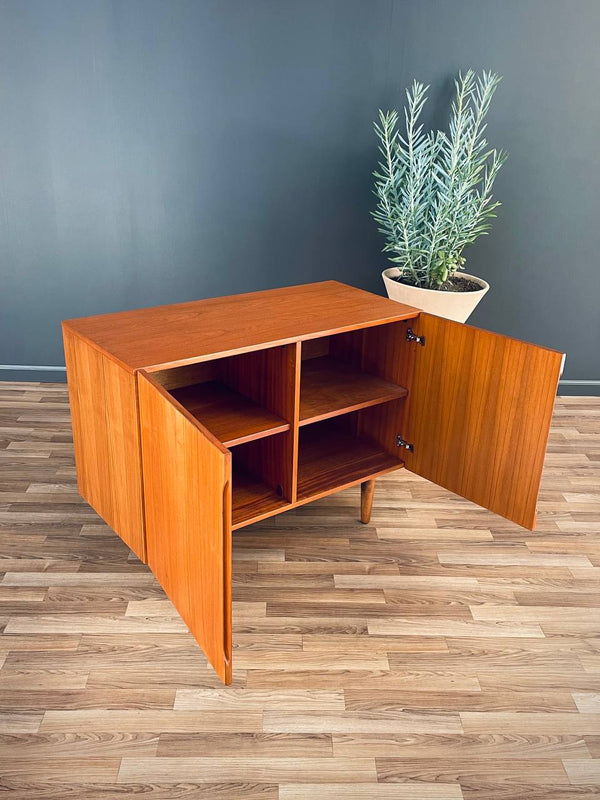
pixel 167 336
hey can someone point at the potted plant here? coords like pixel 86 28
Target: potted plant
pixel 434 198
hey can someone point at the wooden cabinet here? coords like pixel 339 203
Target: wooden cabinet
pixel 194 420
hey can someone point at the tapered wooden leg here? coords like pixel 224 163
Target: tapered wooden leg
pixel 367 490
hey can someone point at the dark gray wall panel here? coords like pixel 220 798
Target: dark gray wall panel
pixel 154 151
pixel 541 257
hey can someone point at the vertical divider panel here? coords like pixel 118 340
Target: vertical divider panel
pixel 269 377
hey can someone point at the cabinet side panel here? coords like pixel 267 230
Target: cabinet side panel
pixel 75 411
pixel 85 376
pixel 103 405
pixel 187 496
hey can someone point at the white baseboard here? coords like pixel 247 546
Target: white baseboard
pixel 31 368
pixel 579 383
pixel 40 368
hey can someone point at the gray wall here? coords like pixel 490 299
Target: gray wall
pixel 542 256
pixel 153 151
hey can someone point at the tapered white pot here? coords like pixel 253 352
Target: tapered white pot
pixel 452 305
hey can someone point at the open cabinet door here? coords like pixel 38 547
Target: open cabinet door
pixel 480 407
pixel 187 500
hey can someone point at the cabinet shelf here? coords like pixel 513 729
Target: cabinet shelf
pixel 252 499
pixel 330 458
pixel 227 414
pixel 329 387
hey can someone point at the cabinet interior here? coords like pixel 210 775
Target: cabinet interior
pixel 261 478
pixel 336 452
pixel 302 419
pixel 238 398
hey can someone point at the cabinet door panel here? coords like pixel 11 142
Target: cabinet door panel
pixel 479 415
pixel 187 499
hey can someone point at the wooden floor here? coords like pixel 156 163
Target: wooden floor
pixel 438 653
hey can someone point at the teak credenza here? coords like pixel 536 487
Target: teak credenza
pixel 193 420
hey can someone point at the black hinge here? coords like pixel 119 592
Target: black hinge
pixel 411 336
pixel 400 442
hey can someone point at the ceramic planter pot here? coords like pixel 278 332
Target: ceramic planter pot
pixel 452 305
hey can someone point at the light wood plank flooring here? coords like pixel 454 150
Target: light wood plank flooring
pixel 438 653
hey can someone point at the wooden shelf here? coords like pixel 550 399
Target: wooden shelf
pixel 231 417
pixel 329 388
pixel 330 458
pixel 252 499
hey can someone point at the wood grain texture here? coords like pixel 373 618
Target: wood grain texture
pixel 189 332
pixel 270 460
pixel 227 414
pixel 270 377
pixel 367 492
pixel 387 354
pixel 254 401
pixel 480 407
pixel 370 791
pixel 320 705
pixel 330 458
pixel 262 478
pixel 187 482
pixel 104 411
pixel 266 376
pixel 329 388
